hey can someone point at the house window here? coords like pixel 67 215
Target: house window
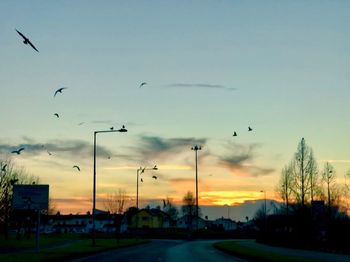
pixel 144 218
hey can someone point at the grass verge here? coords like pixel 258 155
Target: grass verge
pixel 256 254
pixel 77 249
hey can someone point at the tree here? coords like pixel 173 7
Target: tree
pixel 116 203
pixel 10 175
pixel 189 205
pixel 304 172
pixel 170 209
pixel 285 186
pixel 328 176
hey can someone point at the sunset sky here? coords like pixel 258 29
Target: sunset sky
pixel 211 67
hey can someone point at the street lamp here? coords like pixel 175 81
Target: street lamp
pixel 122 130
pixel 263 191
pixel 138 172
pixel 196 148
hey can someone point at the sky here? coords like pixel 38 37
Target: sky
pixel 211 68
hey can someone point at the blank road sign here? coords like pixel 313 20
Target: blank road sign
pixel 34 197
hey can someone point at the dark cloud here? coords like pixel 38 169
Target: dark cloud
pixel 69 148
pixel 152 148
pixel 241 158
pixel 201 85
pixel 182 180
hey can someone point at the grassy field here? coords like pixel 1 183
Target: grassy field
pixel 253 254
pixel 68 247
pixel 45 240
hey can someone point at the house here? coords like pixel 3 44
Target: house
pixel 225 223
pixel 104 222
pixel 190 222
pixel 150 218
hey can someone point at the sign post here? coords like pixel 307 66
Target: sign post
pixel 31 197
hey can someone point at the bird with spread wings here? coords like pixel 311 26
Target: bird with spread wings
pixel 26 41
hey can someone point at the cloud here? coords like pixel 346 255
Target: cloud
pixel 154 148
pixel 240 160
pixel 201 85
pixel 69 147
pixel 182 180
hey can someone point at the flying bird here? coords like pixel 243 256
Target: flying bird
pixel 17 151
pixel 55 114
pixel 234 133
pixel 49 152
pixel 142 84
pixel 81 123
pixel 77 167
pixel 123 129
pixel 59 91
pixel 26 41
pixel 249 128
pixel 3 169
pixel 154 177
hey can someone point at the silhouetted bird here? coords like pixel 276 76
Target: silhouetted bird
pixel 249 128
pixel 142 84
pixel 154 177
pixel 17 151
pixel 81 123
pixel 123 129
pixel 112 128
pixel 234 133
pixel 77 167
pixel 55 114
pixel 26 40
pixel 141 179
pixel 59 90
pixel 3 169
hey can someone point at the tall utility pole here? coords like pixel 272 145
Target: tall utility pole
pixel 196 148
pixel 122 130
pixel 265 209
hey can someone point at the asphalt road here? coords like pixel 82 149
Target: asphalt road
pixel 164 251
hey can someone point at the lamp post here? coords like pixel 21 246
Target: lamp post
pixel 122 130
pixel 265 210
pixel 138 172
pixel 196 148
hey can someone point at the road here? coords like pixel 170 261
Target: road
pixel 165 251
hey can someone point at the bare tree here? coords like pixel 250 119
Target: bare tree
pixel 285 186
pixel 116 203
pixel 170 209
pixel 328 176
pixel 189 205
pixel 304 171
pixel 10 175
pixel 189 209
